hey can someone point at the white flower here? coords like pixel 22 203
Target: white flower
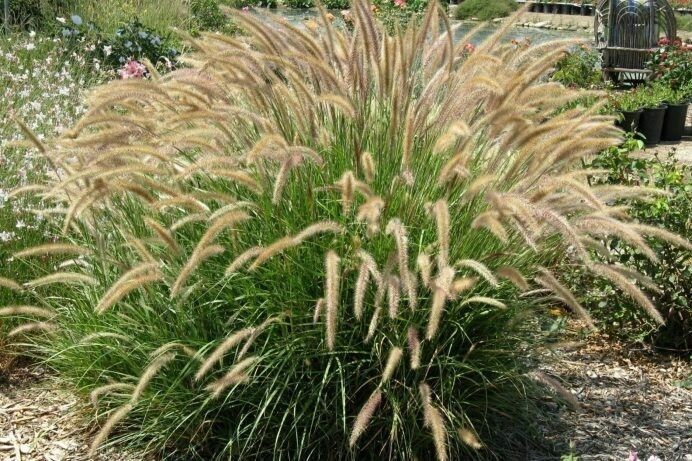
pixel 20 224
pixel 30 46
pixel 6 236
pixel 32 34
pixel 653 458
pixel 60 20
pixel 107 50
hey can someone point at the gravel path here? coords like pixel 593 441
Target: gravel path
pixel 683 150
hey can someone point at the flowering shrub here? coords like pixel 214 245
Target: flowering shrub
pixel 131 42
pixel 132 69
pixel 672 63
pixel 42 82
pixel 81 36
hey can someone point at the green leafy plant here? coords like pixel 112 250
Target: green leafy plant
pixel 336 4
pixel 672 63
pixel 249 3
pixel 80 37
pixel 485 10
pixel 299 3
pixel 36 14
pixel 135 41
pixel 669 279
pixel 336 242
pixel 626 101
pixel 579 68
pixel 652 96
pixel 207 15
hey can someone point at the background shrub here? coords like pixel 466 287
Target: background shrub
pixel 36 14
pixel 136 41
pixel 485 10
pixel 580 68
pixel 336 4
pixel 299 3
pixel 260 263
pixel 255 3
pixel 206 14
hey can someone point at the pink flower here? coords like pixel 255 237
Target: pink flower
pixel 245 9
pixel 132 69
pixel 400 3
pixel 469 48
pixel 633 456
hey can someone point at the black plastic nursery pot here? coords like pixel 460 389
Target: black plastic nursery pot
pixel 575 10
pixel 651 124
pixel 630 120
pixel 674 122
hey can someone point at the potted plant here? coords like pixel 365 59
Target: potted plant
pixel 676 115
pixel 671 64
pixel 651 119
pixel 629 106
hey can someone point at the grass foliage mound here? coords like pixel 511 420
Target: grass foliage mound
pixel 317 243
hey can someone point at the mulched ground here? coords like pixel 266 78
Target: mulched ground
pixel 40 420
pixel 631 400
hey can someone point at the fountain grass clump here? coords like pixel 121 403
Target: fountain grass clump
pixel 319 243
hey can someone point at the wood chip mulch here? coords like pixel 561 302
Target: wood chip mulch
pixel 632 401
pixel 42 421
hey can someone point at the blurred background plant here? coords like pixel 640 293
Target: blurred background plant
pixel 485 10
pixel 580 68
pixel 671 63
